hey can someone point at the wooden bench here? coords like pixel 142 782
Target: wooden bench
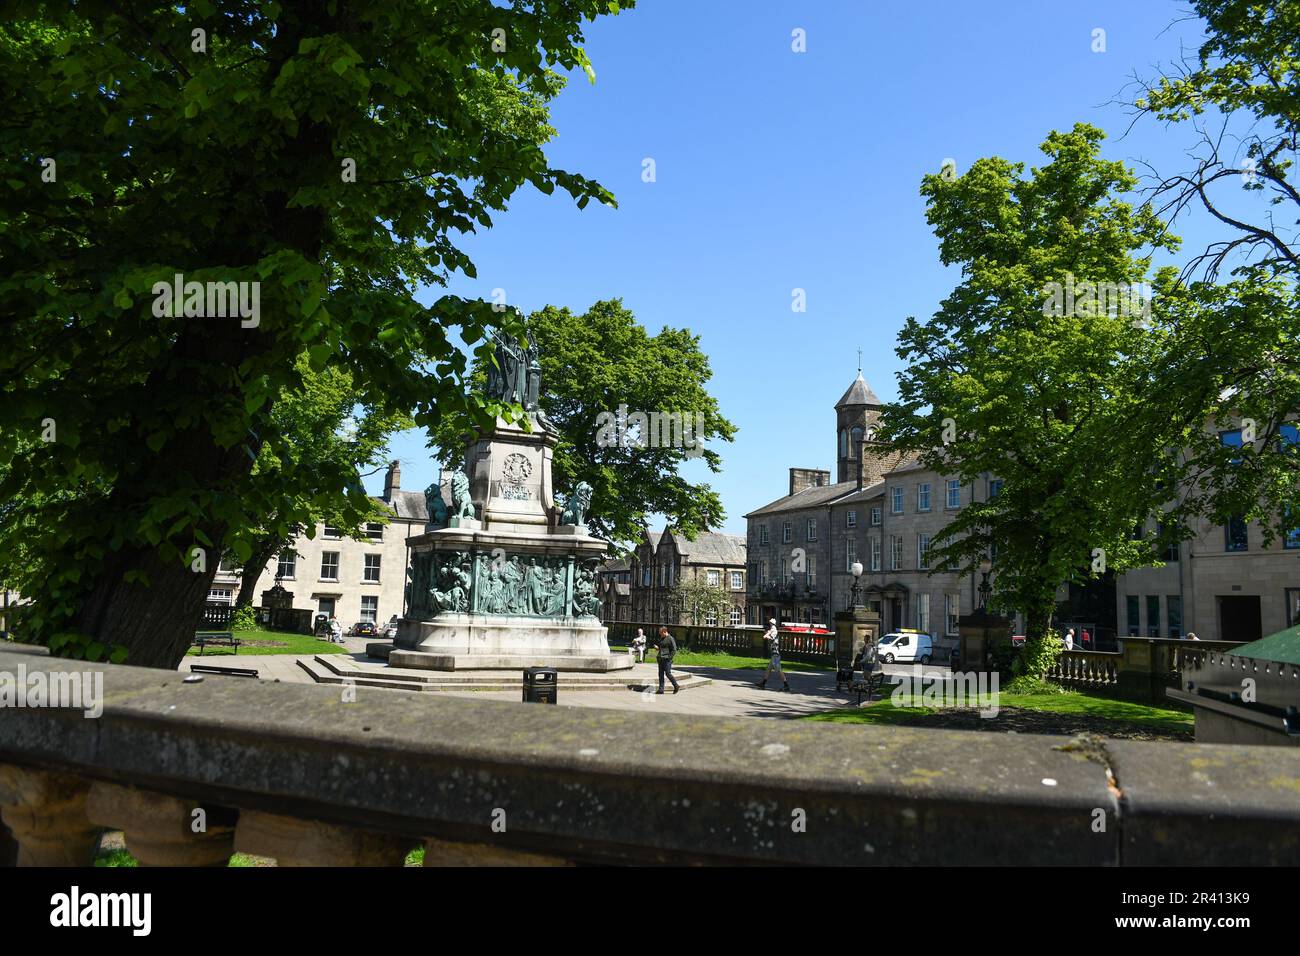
pixel 217 638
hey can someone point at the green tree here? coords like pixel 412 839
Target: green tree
pixel 1233 358
pixel 693 598
pixel 1011 380
pixel 323 438
pixel 598 365
pixel 326 153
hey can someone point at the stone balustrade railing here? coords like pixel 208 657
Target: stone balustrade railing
pixel 1140 670
pixel 308 775
pixel 744 641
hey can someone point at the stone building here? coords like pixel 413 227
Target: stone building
pixel 333 574
pixel 665 558
pixel 614 588
pixel 885 511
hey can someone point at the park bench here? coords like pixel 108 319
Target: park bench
pixel 223 671
pixel 216 638
pixel 866 684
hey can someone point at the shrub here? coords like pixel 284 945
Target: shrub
pixel 1034 686
pixel 244 618
pixel 1037 656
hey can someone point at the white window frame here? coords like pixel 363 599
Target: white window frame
pixel 787 532
pixel 875 552
pixel 851 519
pixel 850 554
pixel 714 578
pixel 923 495
pixel 923 552
pixel 372 609
pixel 876 516
pixel 366 568
pixel 737 581
pixel 953 485
pixel 895 552
pixel 324 563
pixel 292 562
pixel 811 531
pixel 896 500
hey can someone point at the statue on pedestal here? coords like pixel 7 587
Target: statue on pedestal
pixel 576 505
pixel 461 504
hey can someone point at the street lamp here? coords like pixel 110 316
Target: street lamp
pixel 857 574
pixel 985 567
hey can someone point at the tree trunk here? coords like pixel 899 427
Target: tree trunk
pixel 267 548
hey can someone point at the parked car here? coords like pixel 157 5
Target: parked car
pixel 390 629
pixel 906 645
pixel 364 629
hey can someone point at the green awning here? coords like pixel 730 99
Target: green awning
pixel 1283 646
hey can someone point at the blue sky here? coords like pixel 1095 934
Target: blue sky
pixel 778 170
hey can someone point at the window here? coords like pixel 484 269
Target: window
pixel 812 529
pixel 736 617
pixel 875 554
pixel 715 578
pixel 331 531
pixel 220 595
pixel 923 551
pixel 762 572
pixel 1172 551
pixel 1134 624
pixel 711 617
pixel 371 571
pixel 844 443
pixel 762 534
pixel 875 516
pixel 923 496
pixel 329 566
pixel 951 612
pixel 370 608
pixel 895 552
pixel 647 576
pixel 855 441
pixel 954 493
pixel 1232 439
pixel 1290 436
pixel 851 519
pixel 896 500
pixel 785 532
pixel 288 564
pixel 1175 605
pixel 1153 615
pixel 1235 535
pixel 374 531
pixel 923 613
pixel 737 581
pixel 812 570
pixel 995 487
pixel 850 554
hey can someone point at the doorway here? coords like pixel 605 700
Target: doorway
pixel 1239 618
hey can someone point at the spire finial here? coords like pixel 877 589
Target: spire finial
pixel 859 361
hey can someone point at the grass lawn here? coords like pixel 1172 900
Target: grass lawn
pixel 121 857
pixel 722 659
pixel 259 641
pixel 1035 713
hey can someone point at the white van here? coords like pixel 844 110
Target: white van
pixel 906 645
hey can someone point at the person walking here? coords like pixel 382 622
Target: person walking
pixel 773 637
pixel 667 648
pixel 1069 639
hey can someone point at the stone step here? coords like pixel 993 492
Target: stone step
pixel 336 669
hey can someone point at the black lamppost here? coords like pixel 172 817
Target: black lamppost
pixel 985 589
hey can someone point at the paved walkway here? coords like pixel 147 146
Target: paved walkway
pixel 732 693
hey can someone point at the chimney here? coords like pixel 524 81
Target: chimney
pixel 392 480
pixel 801 478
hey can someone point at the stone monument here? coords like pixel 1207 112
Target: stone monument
pixel 510 582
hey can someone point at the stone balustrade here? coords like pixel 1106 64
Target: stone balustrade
pixel 193 771
pixel 1140 670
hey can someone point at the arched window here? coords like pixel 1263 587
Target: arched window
pixel 857 441
pixel 844 443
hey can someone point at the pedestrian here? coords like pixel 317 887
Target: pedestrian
pixel 1191 636
pixel 1069 639
pixel 773 637
pixel 667 648
pixel 638 645
pixel 336 630
pixel 1087 639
